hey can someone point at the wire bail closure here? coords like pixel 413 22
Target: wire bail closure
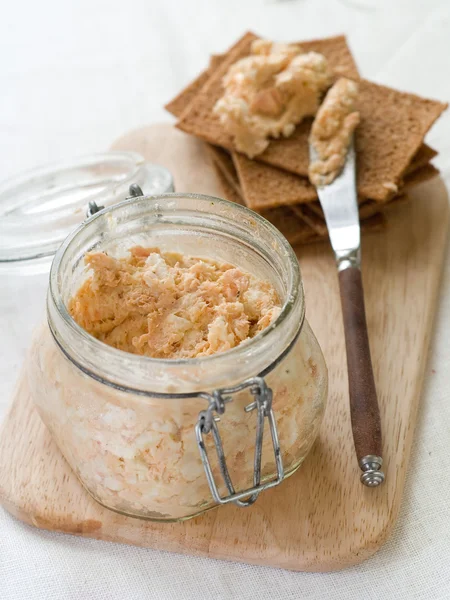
pixel 207 423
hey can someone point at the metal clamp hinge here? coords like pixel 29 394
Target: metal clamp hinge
pixel 206 424
pixel 134 190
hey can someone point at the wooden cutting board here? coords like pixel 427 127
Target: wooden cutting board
pixel 322 518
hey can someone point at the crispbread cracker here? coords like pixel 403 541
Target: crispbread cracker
pixel 185 97
pixel 370 208
pixel 262 183
pixel 283 219
pixel 312 213
pixel 386 115
pixel 376 223
pixel 420 176
pixel 307 215
pixel 393 125
pixel 214 61
pixel 198 119
pixel 229 193
pixel 367 209
pixel 182 100
pixel 422 157
pixel 290 222
pixel 179 104
pixel 264 186
pixel 225 164
pixel 294 229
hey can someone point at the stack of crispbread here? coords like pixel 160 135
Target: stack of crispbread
pixel 391 155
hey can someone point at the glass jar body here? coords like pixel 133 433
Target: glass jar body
pixel 126 423
pixel 138 454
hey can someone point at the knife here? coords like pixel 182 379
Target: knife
pixel 340 206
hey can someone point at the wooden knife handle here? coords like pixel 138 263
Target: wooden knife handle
pixel 364 410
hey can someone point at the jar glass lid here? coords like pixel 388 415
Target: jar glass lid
pixel 39 208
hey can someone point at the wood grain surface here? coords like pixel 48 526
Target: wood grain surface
pixel 322 518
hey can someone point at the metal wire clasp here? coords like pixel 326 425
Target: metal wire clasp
pixel 206 424
pixel 134 190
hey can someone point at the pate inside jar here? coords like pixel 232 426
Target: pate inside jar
pixel 128 424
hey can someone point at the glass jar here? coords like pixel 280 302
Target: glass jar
pixel 169 439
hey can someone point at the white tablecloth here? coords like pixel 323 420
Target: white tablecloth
pixel 76 75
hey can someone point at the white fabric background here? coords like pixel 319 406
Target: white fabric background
pixel 76 75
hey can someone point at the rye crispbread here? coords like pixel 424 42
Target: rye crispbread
pixel 420 176
pixel 264 186
pixel 178 104
pixel 229 192
pixel 182 100
pixel 368 208
pixel 392 127
pixel 366 212
pixel 296 229
pixel 311 212
pixel 224 162
pixel 423 156
pixel 291 226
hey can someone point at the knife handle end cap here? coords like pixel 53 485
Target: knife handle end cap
pixel 372 476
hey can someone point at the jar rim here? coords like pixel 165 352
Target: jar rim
pixel 294 294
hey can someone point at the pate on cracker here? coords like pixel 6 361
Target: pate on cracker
pixel 269 92
pixel 382 161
